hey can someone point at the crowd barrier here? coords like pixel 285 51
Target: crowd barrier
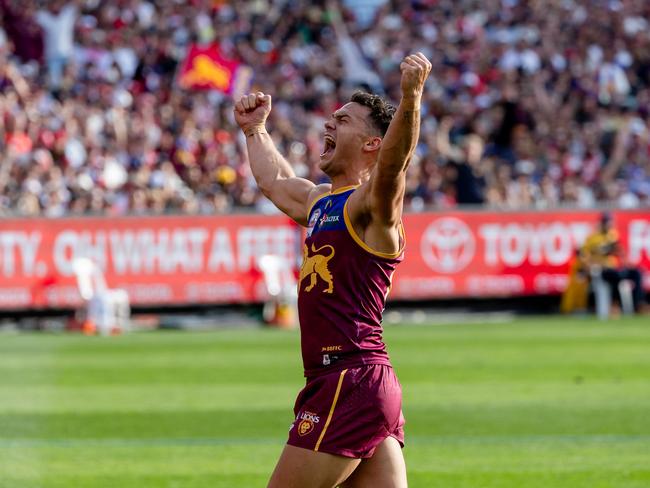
pixel 202 259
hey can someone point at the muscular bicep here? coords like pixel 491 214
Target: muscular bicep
pixel 293 196
pixel 388 179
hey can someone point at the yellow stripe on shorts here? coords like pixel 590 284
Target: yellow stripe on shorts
pixel 329 417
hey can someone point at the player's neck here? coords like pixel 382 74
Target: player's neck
pixel 350 178
pixel 344 182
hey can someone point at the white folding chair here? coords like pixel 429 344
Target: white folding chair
pixel 108 309
pixel 603 294
pixel 280 284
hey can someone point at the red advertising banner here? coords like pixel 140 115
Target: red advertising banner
pixel 158 260
pixel 194 260
pixel 492 254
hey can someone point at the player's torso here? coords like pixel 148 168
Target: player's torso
pixel 341 292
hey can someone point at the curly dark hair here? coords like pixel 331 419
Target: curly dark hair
pixel 381 112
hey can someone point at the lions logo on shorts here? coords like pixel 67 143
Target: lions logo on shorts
pixel 307 422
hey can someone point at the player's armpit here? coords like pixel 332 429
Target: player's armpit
pixel 379 234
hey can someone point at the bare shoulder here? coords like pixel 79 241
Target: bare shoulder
pixel 363 203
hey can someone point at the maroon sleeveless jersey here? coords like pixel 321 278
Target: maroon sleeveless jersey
pixel 342 291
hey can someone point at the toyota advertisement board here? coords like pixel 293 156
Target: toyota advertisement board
pixel 194 260
pixel 492 254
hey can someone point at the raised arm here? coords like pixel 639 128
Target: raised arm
pixel 375 208
pixel 388 181
pixel 273 173
pixel 443 145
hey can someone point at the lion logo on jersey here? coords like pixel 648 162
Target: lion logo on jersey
pixel 316 265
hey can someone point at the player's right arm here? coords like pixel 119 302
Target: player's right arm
pixel 274 175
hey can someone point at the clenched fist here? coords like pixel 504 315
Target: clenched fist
pixel 252 110
pixel 415 69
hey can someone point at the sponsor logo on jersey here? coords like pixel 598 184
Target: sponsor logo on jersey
pixel 307 422
pixel 326 219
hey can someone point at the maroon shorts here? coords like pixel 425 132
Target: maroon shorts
pixel 349 412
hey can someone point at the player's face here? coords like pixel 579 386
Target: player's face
pixel 346 131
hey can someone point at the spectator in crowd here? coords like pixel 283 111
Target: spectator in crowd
pixel 58 36
pixel 556 93
pixel 20 28
pixel 601 253
pixel 463 164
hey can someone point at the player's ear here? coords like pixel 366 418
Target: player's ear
pixel 372 144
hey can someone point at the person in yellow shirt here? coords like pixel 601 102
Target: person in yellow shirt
pixel 602 253
pixel 575 296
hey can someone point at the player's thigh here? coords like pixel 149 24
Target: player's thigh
pixel 299 468
pixel 385 469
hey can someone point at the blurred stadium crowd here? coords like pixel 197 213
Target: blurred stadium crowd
pixel 530 103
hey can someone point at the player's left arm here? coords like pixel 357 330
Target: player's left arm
pixel 388 181
pixel 381 199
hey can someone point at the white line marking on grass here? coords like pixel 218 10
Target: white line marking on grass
pixel 219 441
pixel 124 442
pixel 421 317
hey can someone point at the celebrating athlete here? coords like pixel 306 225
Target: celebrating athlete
pixel 348 428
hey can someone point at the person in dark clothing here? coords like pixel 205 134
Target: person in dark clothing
pixel 513 114
pixel 463 164
pixel 24 33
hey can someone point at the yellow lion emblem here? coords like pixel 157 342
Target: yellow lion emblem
pixel 315 266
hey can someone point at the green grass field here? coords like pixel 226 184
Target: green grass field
pixel 546 402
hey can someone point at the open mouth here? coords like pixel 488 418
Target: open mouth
pixel 329 146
